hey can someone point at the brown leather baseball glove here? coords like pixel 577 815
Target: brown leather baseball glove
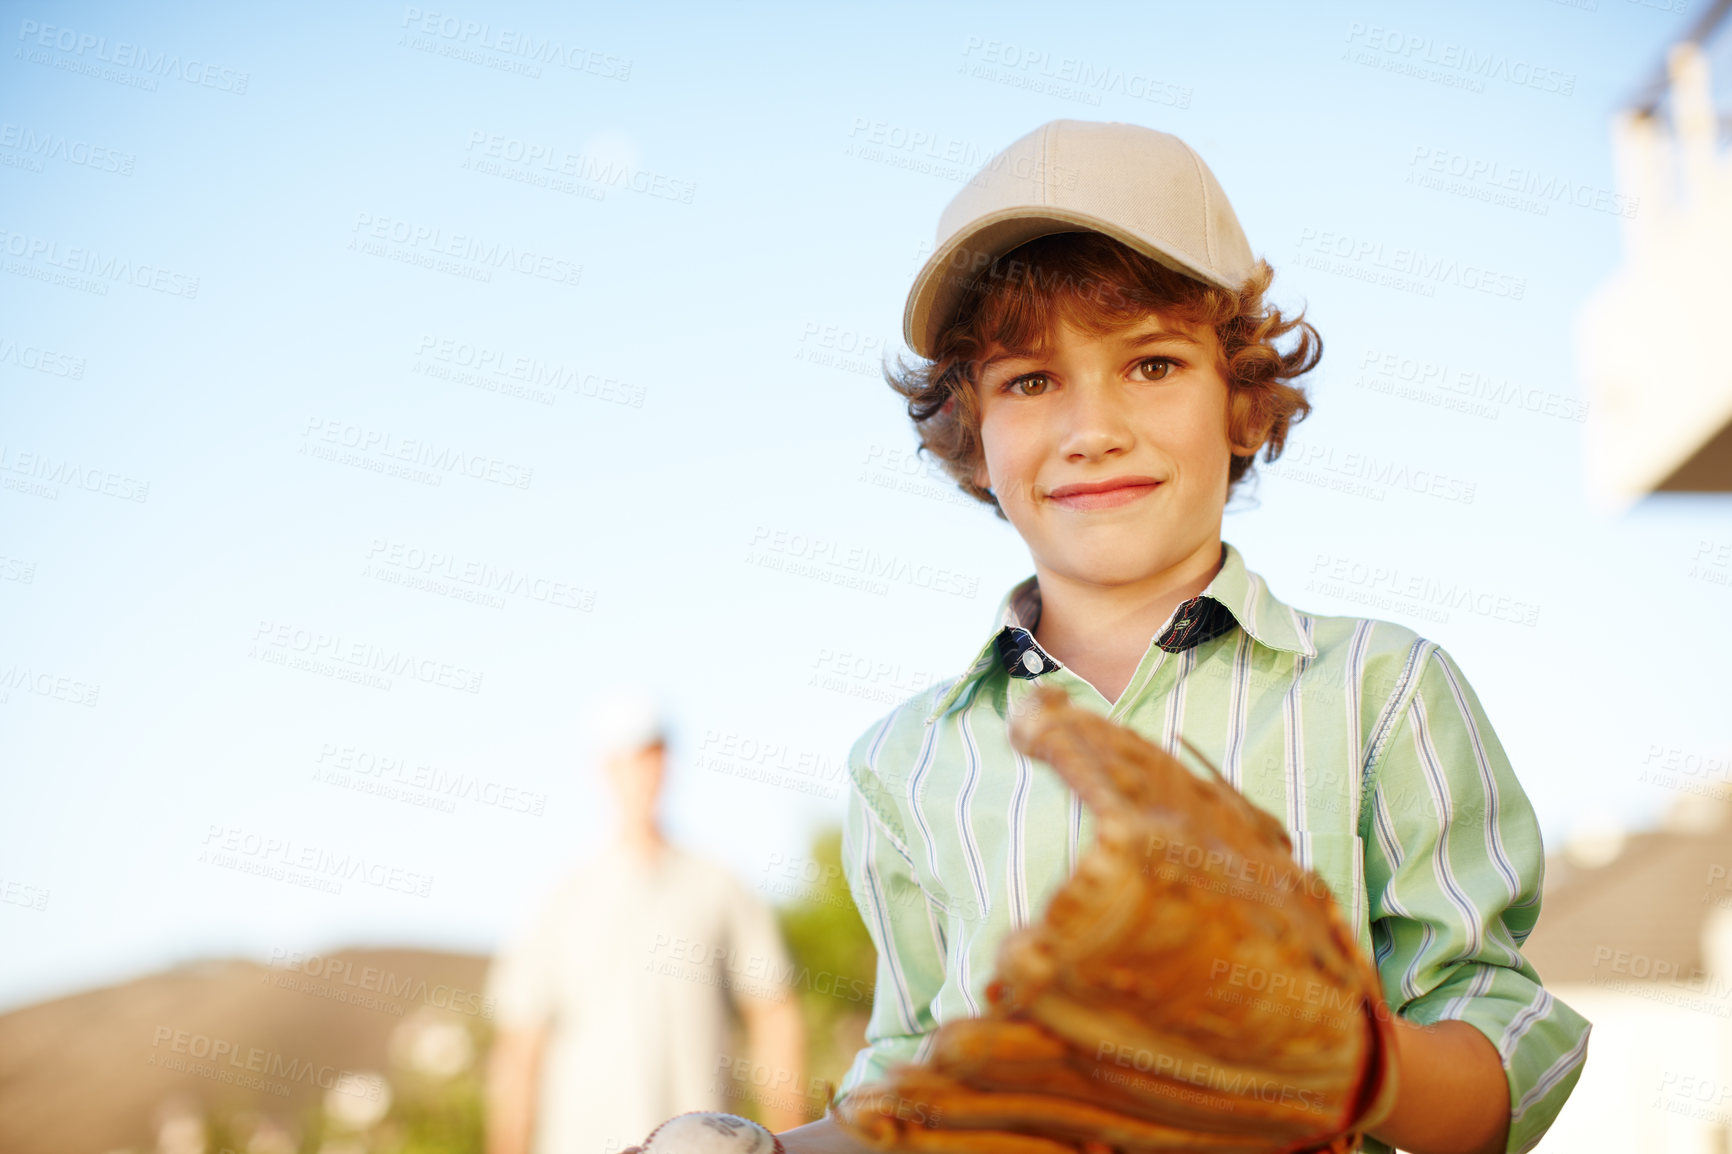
pixel 1188 988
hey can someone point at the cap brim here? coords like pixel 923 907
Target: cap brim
pixel 939 286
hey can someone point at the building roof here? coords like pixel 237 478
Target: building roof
pixel 1653 898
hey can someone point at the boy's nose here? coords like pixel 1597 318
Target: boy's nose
pixel 1095 421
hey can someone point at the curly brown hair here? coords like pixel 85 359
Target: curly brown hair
pixel 1099 284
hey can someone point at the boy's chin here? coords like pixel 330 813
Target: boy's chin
pixel 1110 568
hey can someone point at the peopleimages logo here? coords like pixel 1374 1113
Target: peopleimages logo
pixel 45 467
pixel 494 370
pixel 254 1059
pixel 376 236
pixel 481 575
pixel 229 846
pixel 1410 262
pixel 45 684
pixel 1068 77
pixel 40 360
pixel 772 545
pixel 436 459
pixel 272 637
pixel 1399 51
pixel 1544 188
pixel 365 979
pixel 107 268
pixel 84 46
pixel 557 161
pixel 48 145
pixel 513 42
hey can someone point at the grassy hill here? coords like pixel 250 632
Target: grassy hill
pixel 258 1050
pixel 93 1072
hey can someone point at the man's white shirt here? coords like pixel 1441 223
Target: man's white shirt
pixel 631 966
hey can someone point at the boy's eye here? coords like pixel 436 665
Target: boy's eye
pixel 1157 368
pixel 1036 383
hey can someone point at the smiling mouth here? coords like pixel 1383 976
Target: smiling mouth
pixel 1107 498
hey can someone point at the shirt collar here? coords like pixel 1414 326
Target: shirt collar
pixel 1235 597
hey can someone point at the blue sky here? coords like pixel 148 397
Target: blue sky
pixel 257 460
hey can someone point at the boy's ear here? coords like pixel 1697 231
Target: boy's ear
pixel 1246 433
pixel 1244 449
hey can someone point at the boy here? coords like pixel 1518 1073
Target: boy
pixel 1100 366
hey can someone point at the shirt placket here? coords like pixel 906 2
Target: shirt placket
pixel 1153 672
pixel 1065 807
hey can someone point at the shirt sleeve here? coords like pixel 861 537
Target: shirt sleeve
pixel 521 981
pixel 901 922
pixel 1453 866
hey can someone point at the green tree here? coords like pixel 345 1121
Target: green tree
pixel 834 962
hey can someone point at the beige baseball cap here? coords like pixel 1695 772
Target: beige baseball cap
pixel 623 720
pixel 1144 188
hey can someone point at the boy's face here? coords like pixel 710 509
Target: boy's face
pixel 1143 403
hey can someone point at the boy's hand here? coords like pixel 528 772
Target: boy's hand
pixel 1189 986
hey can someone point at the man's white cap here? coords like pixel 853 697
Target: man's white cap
pixel 1144 188
pixel 623 721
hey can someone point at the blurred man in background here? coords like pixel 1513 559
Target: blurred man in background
pixel 612 1009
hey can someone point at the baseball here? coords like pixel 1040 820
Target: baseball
pixel 709 1133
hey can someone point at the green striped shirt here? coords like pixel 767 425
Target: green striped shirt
pixel 1364 738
